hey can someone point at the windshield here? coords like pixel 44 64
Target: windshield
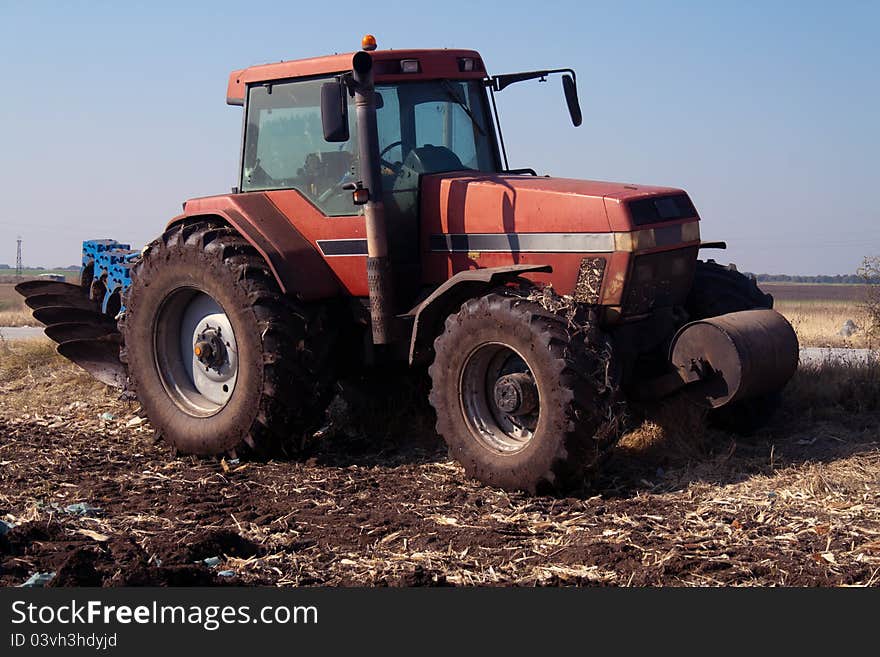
pixel 435 126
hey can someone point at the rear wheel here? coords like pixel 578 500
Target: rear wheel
pixel 523 398
pixel 718 290
pixel 220 359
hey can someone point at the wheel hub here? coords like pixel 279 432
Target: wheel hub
pixel 209 348
pixel 516 394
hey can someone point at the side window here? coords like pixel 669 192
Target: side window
pixel 284 146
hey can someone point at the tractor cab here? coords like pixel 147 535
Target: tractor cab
pixel 433 115
pixel 426 124
pixel 423 125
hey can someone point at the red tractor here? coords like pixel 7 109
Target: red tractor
pixel 376 220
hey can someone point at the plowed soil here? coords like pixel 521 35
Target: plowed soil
pixel 375 500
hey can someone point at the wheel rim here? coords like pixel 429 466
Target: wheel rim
pixel 499 398
pixel 196 352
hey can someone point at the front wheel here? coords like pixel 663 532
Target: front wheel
pixel 524 399
pixel 221 361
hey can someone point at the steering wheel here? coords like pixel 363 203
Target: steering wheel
pixel 394 167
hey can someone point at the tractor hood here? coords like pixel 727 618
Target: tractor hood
pixel 492 203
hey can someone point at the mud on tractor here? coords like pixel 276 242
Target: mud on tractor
pixel 376 220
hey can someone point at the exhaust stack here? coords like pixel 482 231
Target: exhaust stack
pixel 378 264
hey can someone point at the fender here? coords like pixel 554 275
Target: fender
pixel 296 265
pixel 430 314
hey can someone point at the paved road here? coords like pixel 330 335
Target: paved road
pixel 821 354
pixel 21 332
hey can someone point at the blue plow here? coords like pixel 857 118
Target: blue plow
pixel 82 318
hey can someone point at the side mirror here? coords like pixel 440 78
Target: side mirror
pixel 571 98
pixel 334 111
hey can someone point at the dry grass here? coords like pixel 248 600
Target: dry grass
pixel 671 427
pixel 13 312
pixel 17 318
pixel 27 359
pixel 818 323
pixel 34 379
pixel 818 312
pixel 833 389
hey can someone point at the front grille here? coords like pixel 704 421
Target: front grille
pixel 659 280
pixel 589 280
pixel 657 209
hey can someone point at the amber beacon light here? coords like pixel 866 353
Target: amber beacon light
pixel 368 42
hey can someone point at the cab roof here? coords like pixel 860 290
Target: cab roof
pixel 438 63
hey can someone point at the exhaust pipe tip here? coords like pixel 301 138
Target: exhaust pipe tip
pixel 362 62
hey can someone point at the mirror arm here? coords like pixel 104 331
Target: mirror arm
pixel 347 80
pixel 499 82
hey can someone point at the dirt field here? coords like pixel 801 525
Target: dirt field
pixel 379 503
pixel 854 294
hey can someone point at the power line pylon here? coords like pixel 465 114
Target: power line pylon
pixel 18 259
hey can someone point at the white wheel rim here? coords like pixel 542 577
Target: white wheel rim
pixel 196 386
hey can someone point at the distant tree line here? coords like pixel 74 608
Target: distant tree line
pixel 849 279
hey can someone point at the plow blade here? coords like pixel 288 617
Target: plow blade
pixel 32 288
pixel 66 314
pixel 99 357
pixel 84 335
pixel 79 301
pixel 78 331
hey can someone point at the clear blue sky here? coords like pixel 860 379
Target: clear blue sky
pixel 765 112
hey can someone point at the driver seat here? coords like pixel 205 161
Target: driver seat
pixel 432 159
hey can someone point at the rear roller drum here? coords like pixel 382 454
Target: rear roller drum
pixel 718 290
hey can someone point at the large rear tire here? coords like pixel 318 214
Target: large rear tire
pixel 221 360
pixel 524 398
pixel 718 290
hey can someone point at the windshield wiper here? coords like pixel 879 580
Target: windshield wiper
pixel 450 91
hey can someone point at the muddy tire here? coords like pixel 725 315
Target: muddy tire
pixel 718 290
pixel 221 361
pixel 523 400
